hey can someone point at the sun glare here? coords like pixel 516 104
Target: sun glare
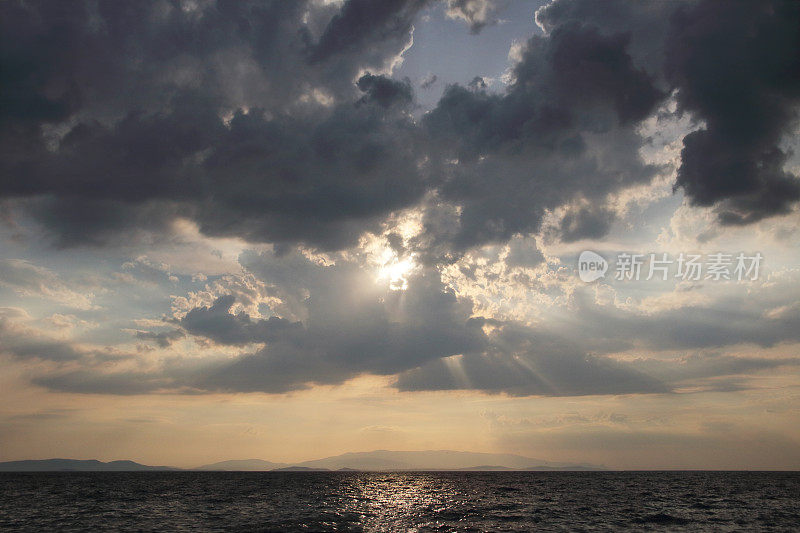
pixel 396 270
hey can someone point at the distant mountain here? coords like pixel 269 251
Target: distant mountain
pixel 301 469
pixel 364 461
pixel 486 468
pixel 76 465
pixel 573 468
pixel 244 465
pixel 436 460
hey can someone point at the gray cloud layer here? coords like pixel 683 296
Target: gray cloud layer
pixel 119 116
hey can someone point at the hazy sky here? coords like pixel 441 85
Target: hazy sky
pixel 285 230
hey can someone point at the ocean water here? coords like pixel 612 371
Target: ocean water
pixel 395 501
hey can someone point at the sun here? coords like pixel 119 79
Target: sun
pixel 396 270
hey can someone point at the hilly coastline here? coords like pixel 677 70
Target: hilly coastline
pixel 377 460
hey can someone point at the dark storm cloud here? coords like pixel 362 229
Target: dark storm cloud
pixel 734 67
pixel 217 324
pixel 564 130
pixel 116 57
pixel 645 24
pixel 319 181
pixel 114 112
pixel 313 179
pixel 71 220
pixel 365 23
pixel 576 80
pixel 384 91
pixel 248 118
pixel 585 222
pixel 737 68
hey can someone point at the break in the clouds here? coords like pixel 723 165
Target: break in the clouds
pixel 282 131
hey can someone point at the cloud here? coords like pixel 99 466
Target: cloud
pixel 351 323
pixel 357 325
pixel 384 91
pixel 748 103
pixel 219 325
pixel 119 383
pixel 429 81
pixel 729 68
pixel 362 25
pixel 564 131
pixel 27 279
pixel 585 222
pixel 331 177
pixel 279 124
pixel 761 315
pixel 477 13
pixel 131 149
pixel 698 366
pixel 163 338
pixel 523 361
pixel 353 326
pixel 278 121
pixel 147 271
pixel 23 342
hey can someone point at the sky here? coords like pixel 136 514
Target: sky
pixel 287 230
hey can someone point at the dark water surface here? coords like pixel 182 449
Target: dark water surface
pixel 420 501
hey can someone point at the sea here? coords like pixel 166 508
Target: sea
pixel 400 501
